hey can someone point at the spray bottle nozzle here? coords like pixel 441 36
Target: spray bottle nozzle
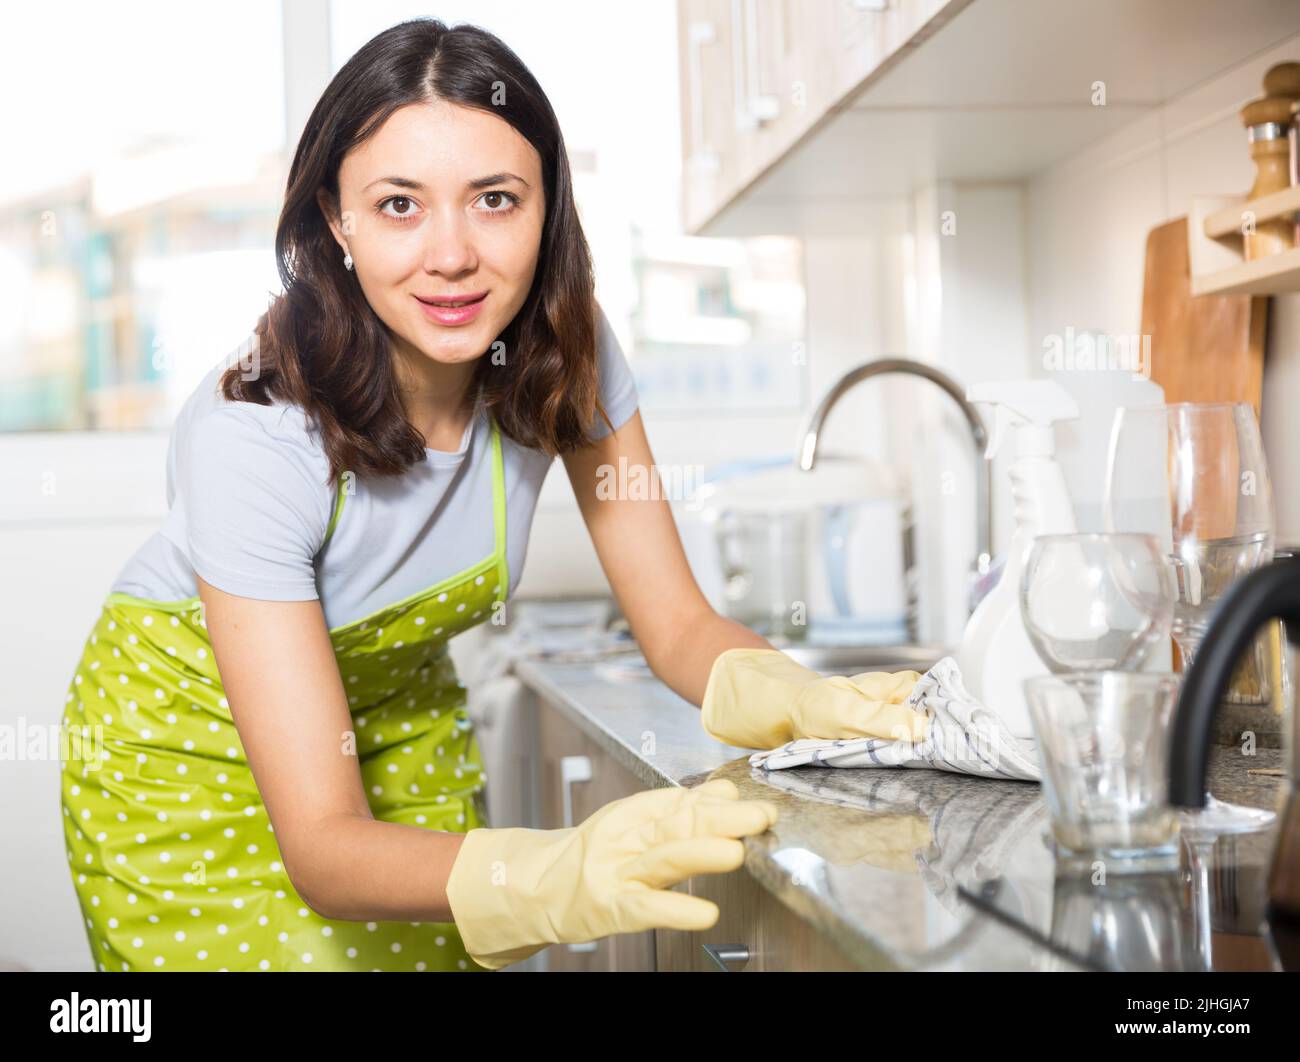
pixel 1030 407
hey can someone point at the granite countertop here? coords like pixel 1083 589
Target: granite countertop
pixel 929 870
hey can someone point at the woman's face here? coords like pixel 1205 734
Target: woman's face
pixel 422 223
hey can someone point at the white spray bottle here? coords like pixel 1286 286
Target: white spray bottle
pixel 996 655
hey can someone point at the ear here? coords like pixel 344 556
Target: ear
pixel 327 209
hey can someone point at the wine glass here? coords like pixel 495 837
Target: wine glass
pixel 1095 602
pixel 1194 475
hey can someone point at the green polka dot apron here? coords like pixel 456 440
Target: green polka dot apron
pixel 172 854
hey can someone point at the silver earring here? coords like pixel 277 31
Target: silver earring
pixel 347 260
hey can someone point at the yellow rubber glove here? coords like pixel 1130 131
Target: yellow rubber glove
pixel 513 891
pixel 762 698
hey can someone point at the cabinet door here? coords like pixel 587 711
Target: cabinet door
pixel 736 928
pixel 801 35
pixel 757 75
pixel 755 933
pixel 759 93
pixel 782 82
pixel 856 41
pixel 866 33
pixel 748 90
pixel 708 107
pixel 578 778
pixel 787 942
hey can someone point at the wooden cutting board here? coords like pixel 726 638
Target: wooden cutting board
pixel 1207 348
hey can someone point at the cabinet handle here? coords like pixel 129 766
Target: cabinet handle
pixel 574 769
pixel 702 158
pixel 752 107
pixel 870 5
pixel 721 954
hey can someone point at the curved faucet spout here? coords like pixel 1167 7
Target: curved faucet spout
pixel 983 472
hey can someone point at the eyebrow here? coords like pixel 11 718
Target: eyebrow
pixel 475 184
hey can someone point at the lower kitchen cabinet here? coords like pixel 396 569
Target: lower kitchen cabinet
pixel 755 933
pixel 578 777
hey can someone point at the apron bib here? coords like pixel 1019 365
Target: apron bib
pixel 172 853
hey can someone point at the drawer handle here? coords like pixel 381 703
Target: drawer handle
pixel 572 769
pixel 702 158
pixel 752 107
pixel 721 954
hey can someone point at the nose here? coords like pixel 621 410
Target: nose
pixel 449 243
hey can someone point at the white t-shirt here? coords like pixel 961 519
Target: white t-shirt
pixel 250 505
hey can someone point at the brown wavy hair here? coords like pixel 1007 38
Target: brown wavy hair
pixel 322 346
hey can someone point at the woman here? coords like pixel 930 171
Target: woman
pixel 288 778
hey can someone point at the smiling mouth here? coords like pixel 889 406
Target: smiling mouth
pixel 467 300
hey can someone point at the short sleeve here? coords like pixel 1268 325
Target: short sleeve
pixel 617 385
pixel 256 508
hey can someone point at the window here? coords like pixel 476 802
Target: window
pixel 137 223
pixel 137 227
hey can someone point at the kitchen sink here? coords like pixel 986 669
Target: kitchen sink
pixel 826 659
pixel 854 659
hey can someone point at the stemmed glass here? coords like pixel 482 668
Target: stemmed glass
pixel 1095 602
pixel 1194 476
pixel 1094 606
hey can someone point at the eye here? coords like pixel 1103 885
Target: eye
pixel 511 199
pixel 405 214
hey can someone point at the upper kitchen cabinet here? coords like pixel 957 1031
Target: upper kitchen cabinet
pixel 788 102
pixel 758 75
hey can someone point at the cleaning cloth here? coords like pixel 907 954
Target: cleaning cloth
pixel 963 737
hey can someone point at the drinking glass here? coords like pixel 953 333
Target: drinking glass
pixel 1095 602
pixel 1194 475
pixel 1103 745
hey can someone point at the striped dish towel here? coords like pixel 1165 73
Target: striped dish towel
pixel 964 737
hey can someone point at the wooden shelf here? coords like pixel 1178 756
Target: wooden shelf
pixel 1214 246
pixel 1278 274
pixel 1227 222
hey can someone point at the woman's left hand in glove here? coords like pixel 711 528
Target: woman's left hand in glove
pixel 762 698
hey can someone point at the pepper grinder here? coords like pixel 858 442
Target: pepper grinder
pixel 1284 80
pixel 1266 121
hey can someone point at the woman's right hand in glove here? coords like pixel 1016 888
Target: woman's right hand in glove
pixel 513 891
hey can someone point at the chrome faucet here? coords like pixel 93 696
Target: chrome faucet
pixel 983 468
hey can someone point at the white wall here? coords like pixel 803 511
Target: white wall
pixel 76 505
pixel 968 318
pixel 1088 220
pixel 1064 250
